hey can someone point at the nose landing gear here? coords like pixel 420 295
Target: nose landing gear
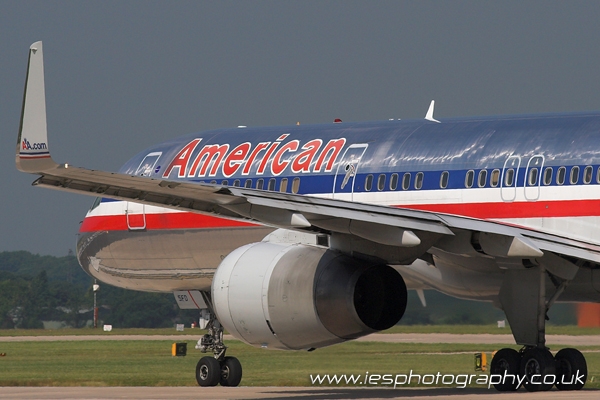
pixel 216 369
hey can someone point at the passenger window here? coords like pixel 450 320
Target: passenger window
pixel 296 185
pixel 495 179
pixel 260 183
pixel 225 182
pixel 271 186
pixel 381 182
pixel 248 183
pixel 213 182
pixel 469 178
pixel 482 178
pixel 587 174
pixel 560 176
pixel 406 181
pixel 236 183
pixel 419 181
pixel 532 179
pixel 394 182
pixel 444 179
pixel 548 176
pixel 509 177
pixel 283 185
pixel 574 175
pixel 369 183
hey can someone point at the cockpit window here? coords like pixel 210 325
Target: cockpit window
pixel 146 167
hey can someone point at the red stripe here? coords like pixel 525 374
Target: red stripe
pixel 501 210
pixel 34 156
pixel 530 209
pixel 158 221
pixel 192 297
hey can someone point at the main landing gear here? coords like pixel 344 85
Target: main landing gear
pixel 537 370
pixel 524 301
pixel 216 369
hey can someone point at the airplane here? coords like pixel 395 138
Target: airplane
pixel 303 236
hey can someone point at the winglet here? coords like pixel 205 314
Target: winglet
pixel 429 115
pixel 33 154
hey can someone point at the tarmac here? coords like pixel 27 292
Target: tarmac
pixel 301 393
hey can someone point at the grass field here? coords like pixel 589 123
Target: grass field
pixel 149 363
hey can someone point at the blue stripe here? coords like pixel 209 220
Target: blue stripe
pixel 321 184
pixel 35 153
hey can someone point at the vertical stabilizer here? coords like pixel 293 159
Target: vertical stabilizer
pixel 33 154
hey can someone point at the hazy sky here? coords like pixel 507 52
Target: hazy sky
pixel 123 75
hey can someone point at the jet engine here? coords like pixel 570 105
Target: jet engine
pixel 297 296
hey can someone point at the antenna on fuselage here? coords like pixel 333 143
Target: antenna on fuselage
pixel 429 115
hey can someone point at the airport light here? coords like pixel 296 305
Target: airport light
pixel 95 288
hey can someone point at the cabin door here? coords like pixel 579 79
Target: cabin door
pixel 136 216
pixel 533 178
pixel 347 170
pixel 508 181
pixel 136 212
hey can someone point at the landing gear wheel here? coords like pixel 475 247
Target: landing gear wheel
pixel 208 371
pixel 506 361
pixel 570 365
pixel 231 372
pixel 536 365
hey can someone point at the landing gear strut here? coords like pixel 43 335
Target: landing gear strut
pixel 216 369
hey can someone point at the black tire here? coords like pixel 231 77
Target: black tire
pixel 231 372
pixel 506 361
pixel 570 365
pixel 208 371
pixel 537 365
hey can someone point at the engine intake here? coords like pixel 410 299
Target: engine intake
pixel 299 296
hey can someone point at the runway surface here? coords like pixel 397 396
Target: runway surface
pixel 307 393
pixel 484 338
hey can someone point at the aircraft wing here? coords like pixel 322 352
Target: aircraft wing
pixel 411 233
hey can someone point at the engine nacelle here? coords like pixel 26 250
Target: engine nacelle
pixel 300 297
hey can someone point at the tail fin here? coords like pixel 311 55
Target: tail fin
pixel 33 154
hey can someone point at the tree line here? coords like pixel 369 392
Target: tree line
pixel 35 288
